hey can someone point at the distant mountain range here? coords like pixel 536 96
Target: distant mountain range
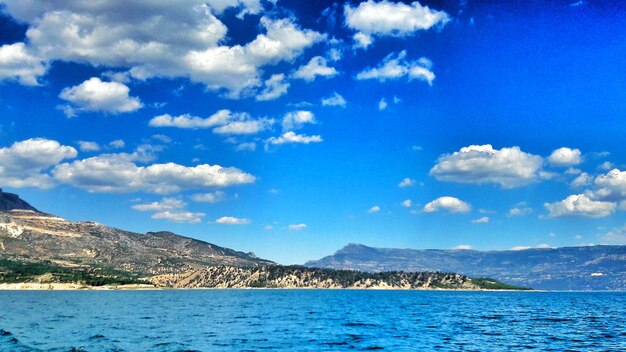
pixel 39 248
pixel 568 268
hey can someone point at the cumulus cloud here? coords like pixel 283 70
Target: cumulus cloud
pixel 274 87
pixel 162 205
pixel 230 220
pixel 479 164
pixel 483 220
pixel 386 18
pixel 463 247
pixel 565 157
pixel 117 144
pixel 291 138
pixel 297 119
pixel 611 186
pixel 297 227
pixel 334 100
pixel 394 66
pixel 520 209
pixel 317 66
pixel 25 163
pixel 210 197
pixel 179 216
pixel 581 180
pixel 96 95
pixel 406 182
pixel 374 209
pixel 406 203
pixel 16 63
pixel 160 39
pixel 580 205
pixel 222 122
pixel 119 173
pixel 450 204
pixel 86 146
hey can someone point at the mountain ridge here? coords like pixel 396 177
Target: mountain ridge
pixel 601 267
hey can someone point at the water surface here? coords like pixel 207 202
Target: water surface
pixel 310 320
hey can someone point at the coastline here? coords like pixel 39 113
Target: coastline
pixel 28 286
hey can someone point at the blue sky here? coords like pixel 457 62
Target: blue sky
pixel 292 128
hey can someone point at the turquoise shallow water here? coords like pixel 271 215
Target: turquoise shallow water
pixel 310 320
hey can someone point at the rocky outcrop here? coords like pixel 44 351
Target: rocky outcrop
pixel 301 277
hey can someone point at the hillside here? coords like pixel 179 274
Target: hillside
pixel 30 236
pixel 568 268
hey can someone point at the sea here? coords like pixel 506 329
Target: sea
pixel 311 320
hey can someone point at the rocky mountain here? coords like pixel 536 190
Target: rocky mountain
pixel 29 235
pixel 43 249
pixel 568 268
pixel 11 201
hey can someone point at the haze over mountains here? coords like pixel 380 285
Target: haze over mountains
pixel 567 268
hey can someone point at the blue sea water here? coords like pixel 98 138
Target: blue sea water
pixel 310 320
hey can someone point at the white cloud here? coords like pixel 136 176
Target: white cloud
pixel 160 39
pixel 162 138
pixel 544 246
pixel 520 209
pixel 617 236
pixel 297 119
pixel 406 203
pixel 162 205
pixel 211 197
pixel 25 163
pixel 230 220
pixel 317 66
pixel 297 227
pixel 382 104
pixel 606 166
pixel 179 216
pixel 483 220
pixel 581 180
pixel 451 204
pixel 374 209
pixel 611 186
pixel 579 205
pixel 362 40
pixel 335 100
pixel 479 164
pixel 387 18
pixel 117 144
pixel 246 147
pixel 86 146
pixel 463 247
pixel 274 87
pixel 519 248
pixel 222 122
pixel 118 173
pixel 395 66
pixel 95 95
pixel 292 137
pixel 16 63
pixel 565 157
pixel 406 182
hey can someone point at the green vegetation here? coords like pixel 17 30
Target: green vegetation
pixel 12 271
pixel 490 284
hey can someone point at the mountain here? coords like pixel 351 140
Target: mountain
pixel 43 249
pixel 11 201
pixel 568 268
pixel 28 235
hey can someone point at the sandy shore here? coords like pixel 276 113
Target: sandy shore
pixel 67 286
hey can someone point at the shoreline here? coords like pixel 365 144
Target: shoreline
pixel 28 286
